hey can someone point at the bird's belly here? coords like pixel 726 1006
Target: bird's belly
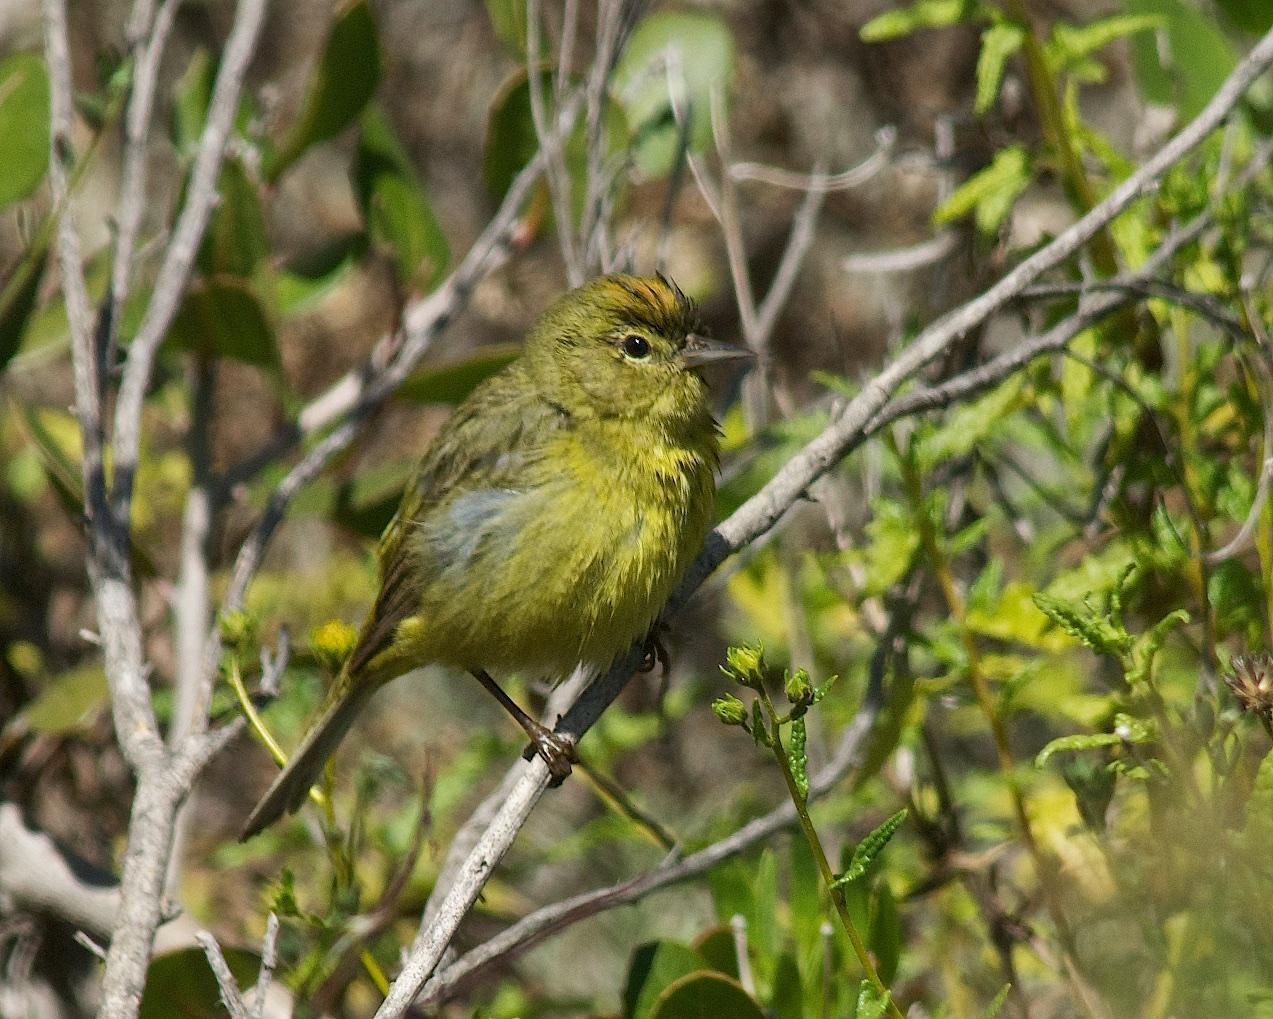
pixel 560 574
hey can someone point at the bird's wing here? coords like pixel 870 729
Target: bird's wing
pixel 490 442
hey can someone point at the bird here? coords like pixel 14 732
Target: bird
pixel 548 521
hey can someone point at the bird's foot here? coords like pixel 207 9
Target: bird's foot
pixel 655 652
pixel 557 751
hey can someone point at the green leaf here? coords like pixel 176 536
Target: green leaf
pixel 1070 44
pixel 992 1010
pixel 885 934
pixel 24 125
pixel 1255 16
pixel 511 142
pixel 181 984
pixel 787 999
pixel 865 852
pixel 452 381
pixel 798 759
pixel 508 18
pixel 191 95
pixel 989 194
pixel 705 993
pixel 68 703
pixel 998 42
pixel 1198 56
pixel 926 14
pixel 17 302
pixel 342 83
pixel 654 966
pixel 225 318
pixel 395 207
pixel 1126 730
pixel 706 55
pixel 235 242
pixel 716 946
pixel 871 1004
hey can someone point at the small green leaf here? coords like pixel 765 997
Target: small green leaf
pixel 181 983
pixel 225 318
pixel 235 242
pixel 1186 62
pixel 992 1010
pixel 342 83
pixel 998 42
pixel 798 759
pixel 705 55
pixel 705 993
pixel 1126 730
pixel 17 302
pixel 24 125
pixel 989 194
pixel 871 1004
pixel 508 18
pixel 511 141
pixel 452 381
pixel 903 21
pixel 67 703
pixel 191 95
pixel 865 852
pixel 395 207
pixel 1070 44
pixel 654 966
pixel 716 946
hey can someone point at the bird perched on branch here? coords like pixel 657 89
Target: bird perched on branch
pixel 549 520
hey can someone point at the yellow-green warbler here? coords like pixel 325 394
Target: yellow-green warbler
pixel 550 518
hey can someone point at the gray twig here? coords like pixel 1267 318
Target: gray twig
pixel 228 987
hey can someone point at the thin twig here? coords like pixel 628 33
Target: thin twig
pixel 856 176
pixel 231 996
pixel 174 271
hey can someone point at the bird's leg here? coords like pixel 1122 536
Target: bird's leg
pixel 655 652
pixel 558 751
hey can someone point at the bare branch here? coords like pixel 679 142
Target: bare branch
pixel 845 180
pixel 147 36
pixel 228 987
pixel 174 272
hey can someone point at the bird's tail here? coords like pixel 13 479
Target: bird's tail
pixel 294 781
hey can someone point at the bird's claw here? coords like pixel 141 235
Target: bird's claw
pixel 654 653
pixel 556 750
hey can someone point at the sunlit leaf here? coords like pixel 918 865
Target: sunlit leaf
pixel 24 125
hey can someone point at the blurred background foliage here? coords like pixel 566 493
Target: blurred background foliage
pixel 1040 575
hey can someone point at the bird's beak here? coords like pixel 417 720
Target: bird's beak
pixel 699 350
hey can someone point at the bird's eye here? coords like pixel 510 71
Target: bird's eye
pixel 636 347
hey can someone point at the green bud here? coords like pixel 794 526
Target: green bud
pixel 730 710
pixel 236 628
pixel 745 665
pixel 798 688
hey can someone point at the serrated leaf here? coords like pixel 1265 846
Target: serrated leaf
pixel 865 852
pixel 871 1004
pixel 24 125
pixel 342 83
pixel 395 207
pixel 998 42
pixel 797 758
pixel 895 24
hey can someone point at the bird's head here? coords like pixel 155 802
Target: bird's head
pixel 622 346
